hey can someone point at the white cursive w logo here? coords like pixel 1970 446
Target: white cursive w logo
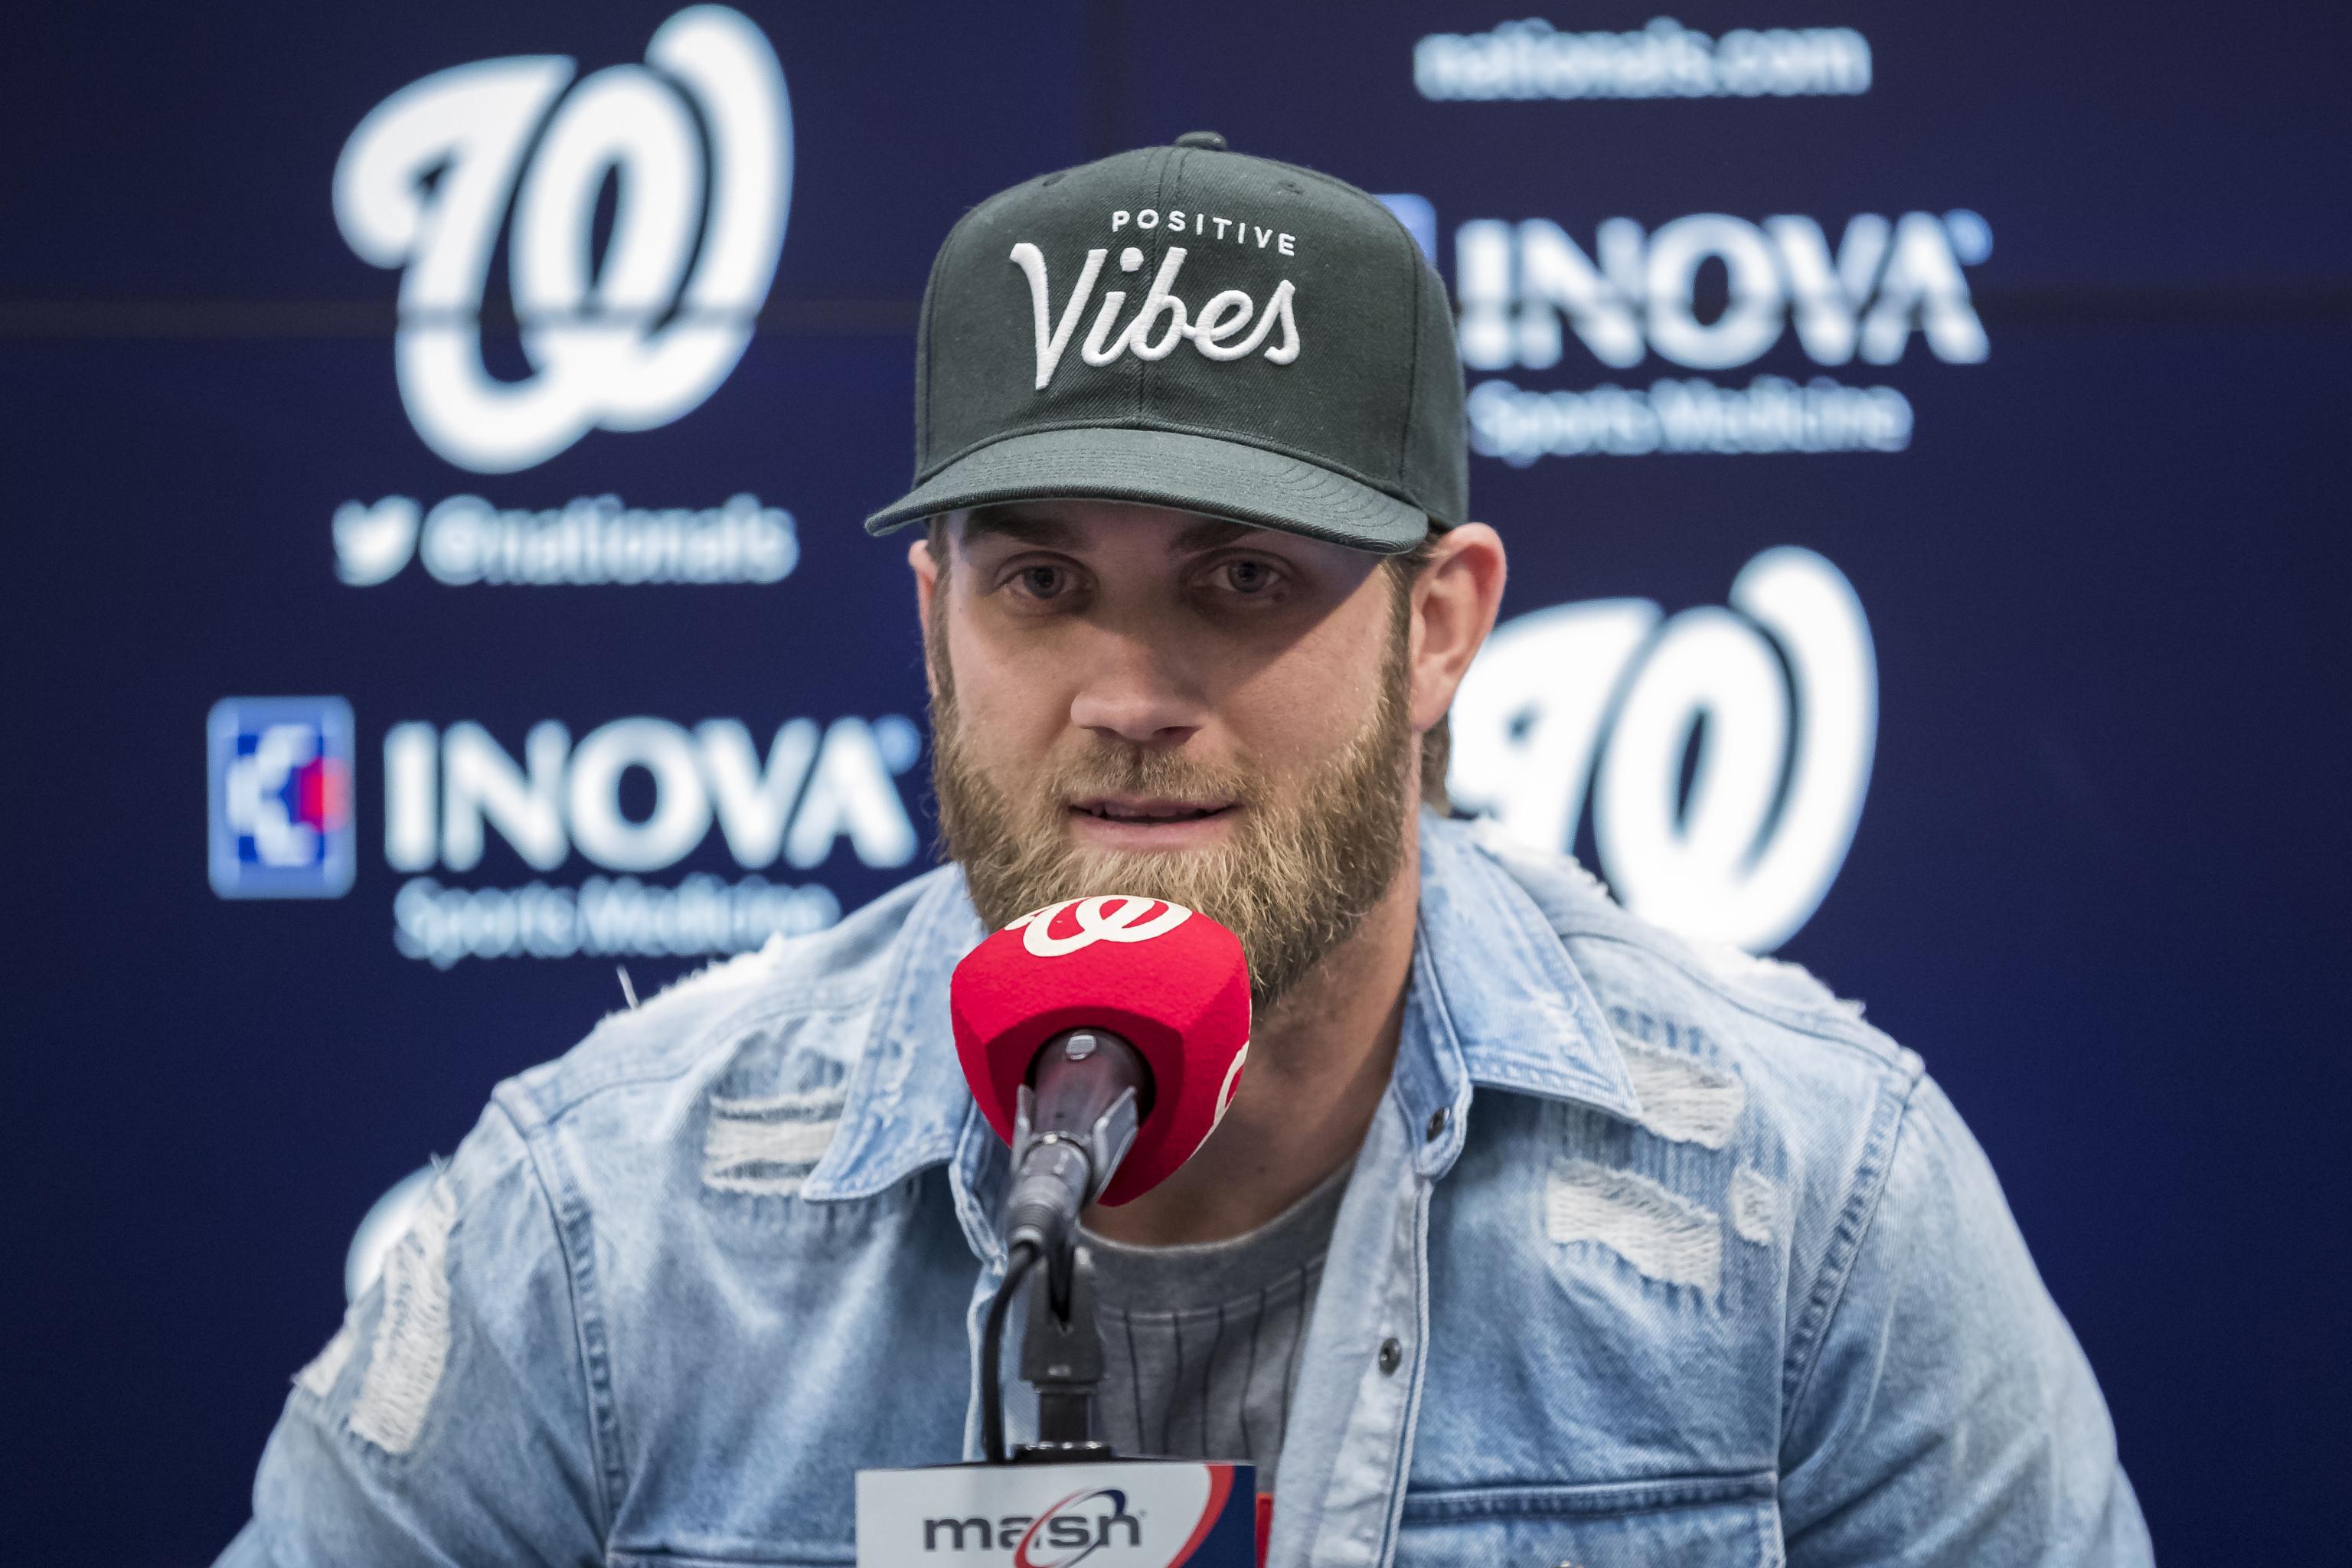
pixel 1128 922
pixel 425 182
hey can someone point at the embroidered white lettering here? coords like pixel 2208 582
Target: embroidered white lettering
pixel 1281 352
pixel 1215 325
pixel 1100 347
pixel 1199 224
pixel 1031 263
pixel 1212 332
pixel 1137 336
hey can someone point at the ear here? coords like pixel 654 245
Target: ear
pixel 927 589
pixel 926 577
pixel 1455 601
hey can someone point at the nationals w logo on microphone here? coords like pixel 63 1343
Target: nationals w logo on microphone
pixel 425 183
pixel 1134 919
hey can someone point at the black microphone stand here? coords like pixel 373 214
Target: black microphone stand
pixel 1067 1140
pixel 1061 1358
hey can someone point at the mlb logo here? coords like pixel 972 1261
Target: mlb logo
pixel 280 770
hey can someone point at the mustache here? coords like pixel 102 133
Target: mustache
pixel 1123 768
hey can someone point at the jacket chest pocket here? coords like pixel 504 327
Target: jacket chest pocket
pixel 1730 1521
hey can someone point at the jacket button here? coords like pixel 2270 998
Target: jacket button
pixel 1391 1356
pixel 1437 1120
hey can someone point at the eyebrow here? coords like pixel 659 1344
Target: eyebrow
pixel 1028 528
pixel 1208 533
pixel 1023 528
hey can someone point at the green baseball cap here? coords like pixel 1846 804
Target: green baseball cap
pixel 1192 328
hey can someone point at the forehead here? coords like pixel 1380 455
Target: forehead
pixel 1076 524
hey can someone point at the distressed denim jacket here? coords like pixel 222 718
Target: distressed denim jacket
pixel 1651 1255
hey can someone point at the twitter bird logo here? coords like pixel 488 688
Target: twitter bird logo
pixel 373 542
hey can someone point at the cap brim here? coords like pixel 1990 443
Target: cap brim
pixel 1167 467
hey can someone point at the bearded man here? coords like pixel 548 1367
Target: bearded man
pixel 1533 1235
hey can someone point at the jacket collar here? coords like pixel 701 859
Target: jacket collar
pixel 907 1106
pixel 1494 1000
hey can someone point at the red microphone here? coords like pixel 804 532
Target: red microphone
pixel 1103 1038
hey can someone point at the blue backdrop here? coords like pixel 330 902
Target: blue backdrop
pixel 1914 431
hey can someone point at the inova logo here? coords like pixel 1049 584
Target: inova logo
pixel 1636 292
pixel 429 181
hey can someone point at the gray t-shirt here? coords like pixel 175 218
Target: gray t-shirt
pixel 1201 1343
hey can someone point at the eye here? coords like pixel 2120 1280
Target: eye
pixel 1247 577
pixel 1041 581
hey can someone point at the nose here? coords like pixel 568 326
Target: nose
pixel 1132 690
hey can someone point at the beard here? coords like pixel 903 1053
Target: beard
pixel 1306 860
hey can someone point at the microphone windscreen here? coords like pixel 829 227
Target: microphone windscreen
pixel 1171 982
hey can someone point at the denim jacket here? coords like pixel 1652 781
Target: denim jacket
pixel 1651 1254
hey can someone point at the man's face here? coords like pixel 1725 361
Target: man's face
pixel 1131 699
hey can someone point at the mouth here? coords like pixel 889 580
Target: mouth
pixel 1147 812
